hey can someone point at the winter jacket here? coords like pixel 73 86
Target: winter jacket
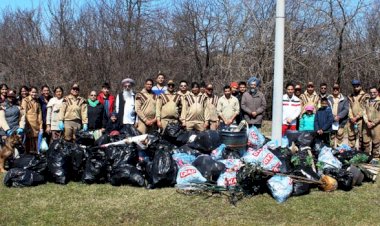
pixel 145 105
pixel 194 109
pixel 253 103
pixel 43 105
pixel 52 116
pixel 73 109
pixel 309 99
pixel 372 111
pixel 307 122
pixel 97 117
pixel 343 109
pixel 111 102
pixel 323 119
pixel 291 108
pixel 357 104
pixel 31 117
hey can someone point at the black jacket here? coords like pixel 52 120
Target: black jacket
pixel 111 126
pixel 97 117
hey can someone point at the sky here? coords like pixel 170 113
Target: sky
pixel 29 4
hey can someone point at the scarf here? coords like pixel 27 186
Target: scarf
pixel 93 103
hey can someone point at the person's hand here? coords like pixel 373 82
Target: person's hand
pixel 289 120
pixel 48 129
pixel 370 125
pixel 149 122
pixel 228 122
pixel 135 125
pixel 20 131
pixel 353 120
pixel 61 126
pixel 159 124
pixel 254 114
pixel 320 132
pixel 102 130
pixel 205 125
pixel 41 130
pixel 336 118
pixel 85 127
pixel 184 124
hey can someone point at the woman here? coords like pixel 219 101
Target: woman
pixel 97 117
pixel 12 114
pixel 3 93
pixel 52 115
pixel 24 92
pixel 31 120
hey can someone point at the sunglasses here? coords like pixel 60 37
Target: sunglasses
pixel 335 88
pixel 183 86
pixel 75 89
pixel 297 89
pixel 92 95
pixel 323 88
pixel 171 85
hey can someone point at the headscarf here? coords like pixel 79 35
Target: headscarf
pixel 254 79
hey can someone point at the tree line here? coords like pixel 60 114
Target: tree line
pixel 216 41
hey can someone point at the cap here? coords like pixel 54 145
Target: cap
pixel 128 80
pixel 171 82
pixel 234 85
pixel 355 82
pixel 310 84
pixel 309 108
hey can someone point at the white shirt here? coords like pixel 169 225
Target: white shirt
pixel 129 116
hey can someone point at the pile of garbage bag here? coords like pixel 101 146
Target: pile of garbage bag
pixel 196 160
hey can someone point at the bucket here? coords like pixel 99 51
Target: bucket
pixel 235 140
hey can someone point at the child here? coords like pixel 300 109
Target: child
pixel 307 120
pixel 323 122
pixel 113 124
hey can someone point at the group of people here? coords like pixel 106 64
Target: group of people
pixel 331 115
pixel 161 103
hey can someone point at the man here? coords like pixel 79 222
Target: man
pixel 107 99
pixel 212 102
pixel 194 115
pixel 167 107
pixel 340 107
pixel 323 122
pixel 253 103
pixel 160 87
pixel 291 109
pixel 234 88
pixel 322 93
pixel 146 109
pixel 125 105
pixel 309 97
pixel 298 90
pixel 355 114
pixel 242 90
pixel 73 114
pixel 228 107
pixel 371 117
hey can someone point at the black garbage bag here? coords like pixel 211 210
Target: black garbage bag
pixel 96 166
pixel 352 157
pixel 250 180
pixel 17 177
pixel 162 171
pixel 84 138
pixel 302 160
pixel 184 137
pixel 305 139
pixel 123 174
pixel 120 155
pixel 36 163
pixel 230 153
pixel 77 161
pixel 208 167
pixel 129 131
pixel 58 162
pixel 344 177
pixel 104 139
pixel 300 188
pixel 284 155
pixel 173 130
pixel 357 175
pixel 186 149
pixel 206 141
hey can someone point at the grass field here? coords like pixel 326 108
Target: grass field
pixel 80 204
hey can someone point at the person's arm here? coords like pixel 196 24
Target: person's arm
pixel 138 108
pixel 350 113
pixel 183 111
pixel 104 118
pixel 3 122
pixel 329 120
pixel 62 111
pixel 158 108
pixel 316 122
pixel 296 112
pixel 117 104
pixel 302 124
pixel 23 110
pixel 39 119
pixel 263 106
pixel 244 105
pixel 345 110
pixel 48 115
pixel 219 108
pixel 84 115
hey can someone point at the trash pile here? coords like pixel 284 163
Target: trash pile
pixel 196 162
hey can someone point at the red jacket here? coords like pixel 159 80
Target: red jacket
pixel 111 102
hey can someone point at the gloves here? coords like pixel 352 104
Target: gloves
pixel 20 131
pixel 9 132
pixel 61 126
pixel 85 127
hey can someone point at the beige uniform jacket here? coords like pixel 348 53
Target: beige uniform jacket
pixel 212 103
pixel 227 108
pixel 372 111
pixel 194 108
pixel 73 108
pixel 309 99
pixel 31 116
pixel 145 105
pixel 357 104
pixel 167 106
